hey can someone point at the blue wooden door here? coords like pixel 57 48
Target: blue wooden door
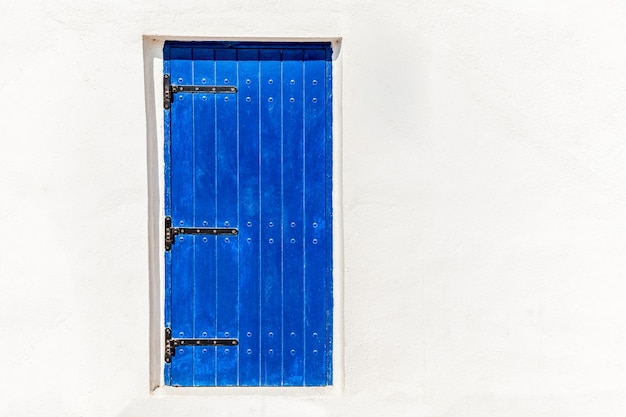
pixel 248 195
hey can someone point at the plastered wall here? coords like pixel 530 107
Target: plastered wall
pixel 480 205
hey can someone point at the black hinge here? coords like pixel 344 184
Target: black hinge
pixel 169 90
pixel 172 232
pixel 171 344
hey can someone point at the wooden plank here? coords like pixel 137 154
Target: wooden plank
pixel 227 216
pixel 204 294
pixel 182 215
pixel 328 191
pixel 167 207
pixel 249 232
pixel 315 218
pixel 271 218
pixel 293 208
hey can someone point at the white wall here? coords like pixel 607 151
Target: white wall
pixel 483 206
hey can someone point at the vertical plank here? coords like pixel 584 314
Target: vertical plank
pixel 167 206
pixel 249 223
pixel 271 218
pixel 227 216
pixel 328 172
pixel 314 151
pixel 293 207
pixel 182 214
pixel 204 216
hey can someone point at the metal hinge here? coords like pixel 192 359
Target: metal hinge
pixel 169 90
pixel 171 344
pixel 172 232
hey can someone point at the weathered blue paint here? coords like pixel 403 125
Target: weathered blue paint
pixel 204 360
pixel 260 161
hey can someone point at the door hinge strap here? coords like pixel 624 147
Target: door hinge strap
pixel 169 90
pixel 172 232
pixel 171 344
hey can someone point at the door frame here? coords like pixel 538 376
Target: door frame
pixel 153 78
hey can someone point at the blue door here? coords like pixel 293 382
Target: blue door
pixel 248 231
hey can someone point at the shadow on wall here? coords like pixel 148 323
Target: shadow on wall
pixel 153 54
